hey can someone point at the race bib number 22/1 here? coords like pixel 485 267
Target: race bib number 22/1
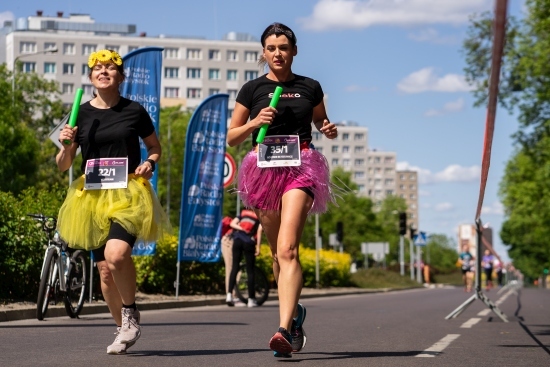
pixel 106 173
pixel 279 151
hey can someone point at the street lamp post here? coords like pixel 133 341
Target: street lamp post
pixel 47 51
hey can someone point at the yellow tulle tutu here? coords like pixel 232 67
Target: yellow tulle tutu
pixel 86 215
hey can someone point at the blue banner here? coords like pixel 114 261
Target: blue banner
pixel 143 70
pixel 202 189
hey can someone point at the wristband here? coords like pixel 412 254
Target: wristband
pixel 152 163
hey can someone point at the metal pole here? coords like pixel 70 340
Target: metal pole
pixel 317 247
pixel 401 255
pixel 169 160
pixel 418 264
pixel 91 277
pixel 411 258
pixel 177 285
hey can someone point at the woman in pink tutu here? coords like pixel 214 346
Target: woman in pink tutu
pixel 283 191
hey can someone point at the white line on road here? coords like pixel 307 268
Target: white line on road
pixel 438 347
pixel 468 324
pixel 485 312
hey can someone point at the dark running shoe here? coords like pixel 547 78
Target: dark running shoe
pixel 281 344
pixel 297 331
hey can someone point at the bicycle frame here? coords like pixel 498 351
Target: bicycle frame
pixel 59 269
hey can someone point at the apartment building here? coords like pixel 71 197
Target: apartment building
pixel 58 47
pixel 407 188
pixel 381 175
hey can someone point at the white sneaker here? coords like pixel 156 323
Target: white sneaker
pixel 117 347
pixel 252 302
pixel 130 330
pixel 229 300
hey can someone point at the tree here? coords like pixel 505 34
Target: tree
pixel 525 88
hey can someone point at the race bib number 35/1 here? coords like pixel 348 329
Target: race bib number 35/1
pixel 106 173
pixel 279 151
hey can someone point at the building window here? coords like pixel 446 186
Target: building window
pixel 251 56
pixel 377 170
pixel 388 181
pixel 194 54
pixel 194 93
pixel 88 89
pixel 359 149
pixel 412 196
pixel 412 187
pixel 401 187
pixel 68 88
pixel 388 171
pixel 345 136
pixel 345 149
pixel 230 113
pixel 132 48
pixel 412 215
pixel 213 91
pixel 68 69
pixel 359 136
pixel 232 55
pixel 376 159
pixel 377 193
pixel 334 161
pixel 388 159
pixel 29 67
pixel 214 74
pixel 316 135
pixel 85 69
pixel 171 92
pixel 231 74
pixel 250 75
pixel 402 177
pixel 68 49
pixel 232 93
pixel 213 54
pixel 361 188
pixel 49 68
pixel 27 47
pixel 389 192
pixel 171 73
pixel 171 53
pixel 49 45
pixel 193 73
pixel 345 162
pixel 412 206
pixel 412 177
pixel 88 49
pixel 360 162
pixel 377 182
pixel 113 48
pixel 319 149
pixel 358 175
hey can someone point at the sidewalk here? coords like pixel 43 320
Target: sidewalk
pixel 159 302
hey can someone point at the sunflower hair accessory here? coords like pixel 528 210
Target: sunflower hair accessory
pixel 104 56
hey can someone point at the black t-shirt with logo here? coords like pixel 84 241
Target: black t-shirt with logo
pixel 113 132
pixel 294 110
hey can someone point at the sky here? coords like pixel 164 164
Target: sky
pixel 393 66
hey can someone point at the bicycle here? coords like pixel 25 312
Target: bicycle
pixel 261 284
pixel 61 275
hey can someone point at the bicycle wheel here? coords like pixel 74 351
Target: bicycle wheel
pixel 76 284
pixel 261 285
pixel 47 280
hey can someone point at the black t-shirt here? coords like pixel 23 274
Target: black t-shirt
pixel 294 110
pixel 113 132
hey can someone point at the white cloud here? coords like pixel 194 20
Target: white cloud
pixel 358 14
pixel 443 207
pixel 431 35
pixel 450 107
pixel 425 80
pixel 354 88
pixel 6 16
pixel 452 173
pixel 495 208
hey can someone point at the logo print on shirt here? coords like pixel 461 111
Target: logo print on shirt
pixel 287 95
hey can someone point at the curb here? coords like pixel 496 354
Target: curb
pixel 91 309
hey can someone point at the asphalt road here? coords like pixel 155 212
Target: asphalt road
pixel 404 328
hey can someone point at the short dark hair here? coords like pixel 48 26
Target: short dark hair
pixel 279 29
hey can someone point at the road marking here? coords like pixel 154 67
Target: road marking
pixel 468 324
pixel 438 347
pixel 485 312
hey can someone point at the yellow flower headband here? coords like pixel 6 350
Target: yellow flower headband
pixel 104 56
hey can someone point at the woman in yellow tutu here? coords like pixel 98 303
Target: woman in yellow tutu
pixel 112 204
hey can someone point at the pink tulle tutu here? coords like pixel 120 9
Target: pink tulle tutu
pixel 263 188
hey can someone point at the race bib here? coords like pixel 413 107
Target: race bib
pixel 279 151
pixel 106 173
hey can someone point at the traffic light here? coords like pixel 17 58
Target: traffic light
pixel 339 231
pixel 402 223
pixel 413 232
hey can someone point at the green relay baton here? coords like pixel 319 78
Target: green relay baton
pixel 74 111
pixel 273 103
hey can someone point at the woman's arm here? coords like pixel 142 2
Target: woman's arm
pixel 239 129
pixel 235 224
pixel 65 157
pixel 258 240
pixel 154 151
pixel 321 122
